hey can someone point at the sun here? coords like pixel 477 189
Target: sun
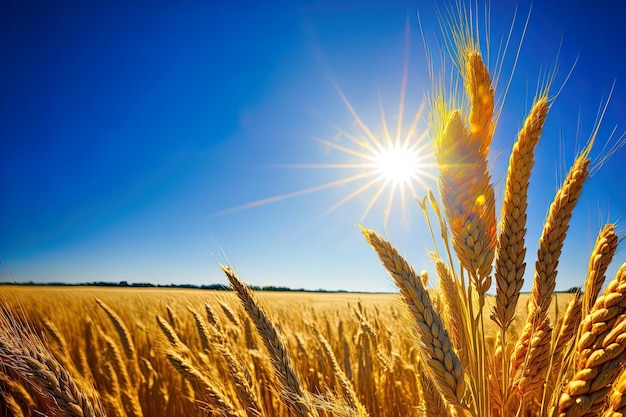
pixel 388 165
pixel 398 164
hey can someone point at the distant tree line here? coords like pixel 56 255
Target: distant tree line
pixel 126 284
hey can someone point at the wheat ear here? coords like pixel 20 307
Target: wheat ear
pixel 127 341
pixel 617 398
pixel 481 96
pixel 212 317
pixel 601 349
pixel 281 361
pixel 553 236
pixel 531 363
pixel 468 199
pixel 22 350
pixel 171 336
pixel 13 405
pixel 203 331
pixel 434 343
pixel 59 340
pixel 601 257
pixel 19 391
pixel 187 370
pixel 430 396
pixel 550 246
pixel 129 393
pixel 567 332
pixel 452 305
pixel 347 389
pixel 244 390
pixel 230 314
pixel 113 390
pixel 511 251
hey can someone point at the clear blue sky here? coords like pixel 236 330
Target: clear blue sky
pixel 128 127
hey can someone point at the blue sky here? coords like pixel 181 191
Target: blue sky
pixel 129 128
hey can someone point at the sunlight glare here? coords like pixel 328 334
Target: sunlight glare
pixel 384 164
pixel 397 163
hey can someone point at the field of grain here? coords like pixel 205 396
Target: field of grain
pixel 125 363
pixel 441 347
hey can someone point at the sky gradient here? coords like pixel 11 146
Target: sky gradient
pixel 131 129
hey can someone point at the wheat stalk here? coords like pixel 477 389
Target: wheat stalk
pixel 601 349
pixel 345 385
pixel 171 336
pixel 23 351
pixel 481 96
pixel 468 199
pixel 617 399
pixel 601 256
pixel 434 343
pixel 203 331
pixel 275 346
pixel 187 370
pixel 125 337
pixel 13 405
pixel 511 251
pixel 550 246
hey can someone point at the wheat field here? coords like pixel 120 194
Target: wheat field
pixel 441 347
pixel 88 330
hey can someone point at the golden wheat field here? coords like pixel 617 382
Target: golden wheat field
pixel 442 346
pixel 137 350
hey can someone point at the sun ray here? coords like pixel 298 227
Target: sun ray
pixel 413 192
pixel 293 194
pixel 354 139
pixel 356 117
pixel 383 121
pixel 320 166
pixel 341 148
pixel 403 202
pixel 373 200
pixel 392 193
pixel 350 196
pixel 405 76
pixel 413 127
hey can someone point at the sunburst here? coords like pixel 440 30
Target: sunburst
pixel 389 165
